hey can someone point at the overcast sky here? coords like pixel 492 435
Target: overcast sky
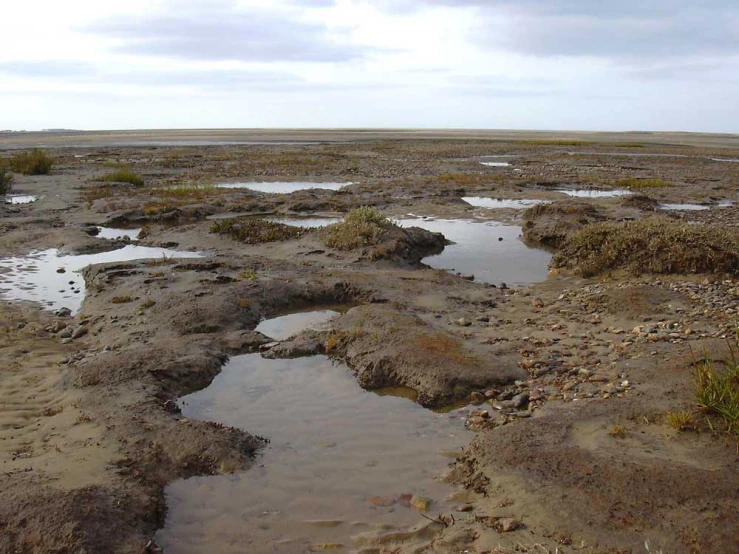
pixel 510 64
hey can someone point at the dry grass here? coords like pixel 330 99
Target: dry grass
pixel 681 421
pixel 618 432
pixel 445 348
pixel 36 162
pixel 361 227
pixel 717 393
pixel 633 183
pixel 147 304
pixel 255 230
pixel 655 245
pixel 6 180
pixel 121 300
pixel 189 192
pixel 123 176
pixel 554 142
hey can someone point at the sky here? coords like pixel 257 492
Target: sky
pixel 659 65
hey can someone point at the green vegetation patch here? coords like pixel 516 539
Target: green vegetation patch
pixel 717 393
pixel 255 230
pixel 124 176
pixel 6 180
pixel 633 183
pixel 189 191
pixel 554 142
pixel 361 227
pixel 655 245
pixel 35 162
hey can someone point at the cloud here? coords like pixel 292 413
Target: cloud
pixel 221 31
pixel 45 68
pixel 627 29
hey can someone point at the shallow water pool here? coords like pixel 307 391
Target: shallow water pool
pixel 498 203
pixel 595 193
pixel 283 187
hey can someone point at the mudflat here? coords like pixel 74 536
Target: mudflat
pixel 570 388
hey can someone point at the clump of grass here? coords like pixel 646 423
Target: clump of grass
pixel 554 142
pixel 121 300
pixel 123 176
pixel 717 392
pixel 361 227
pixel 256 230
pixel 147 304
pixel 243 303
pixel 6 180
pixel 681 421
pixel 656 245
pixel 116 165
pixel 250 275
pixel 618 432
pixel 164 260
pixel 35 162
pixel 633 183
pixel 190 191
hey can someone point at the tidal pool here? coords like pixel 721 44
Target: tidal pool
pixel 686 207
pixel 335 472
pixel 20 198
pixel 53 280
pixel 496 164
pixel 595 193
pixel 308 222
pixel 492 252
pixel 498 203
pixel 283 187
pixel 114 234
pixel 286 326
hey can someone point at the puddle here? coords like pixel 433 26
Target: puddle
pixel 497 203
pixel 595 193
pixel 496 164
pixel 20 199
pixel 283 187
pixel 686 207
pixel 478 251
pixel 284 327
pixel 729 160
pixel 114 234
pixel 333 448
pixel 35 277
pixel 307 222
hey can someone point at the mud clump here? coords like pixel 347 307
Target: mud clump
pixel 640 202
pixel 387 348
pixel 550 224
pixel 256 231
pixel 379 239
pixel 657 246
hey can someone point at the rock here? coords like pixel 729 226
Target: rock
pixel 520 400
pixel 610 388
pixel 61 270
pixel 537 303
pixel 66 333
pixel 66 341
pixel 63 312
pixel 420 503
pixel 462 322
pixel 267 346
pixel 465 508
pixel 468 277
pixel 506 525
pixel 79 332
pixel 405 499
pixel 483 318
pixel 477 398
pixel 381 500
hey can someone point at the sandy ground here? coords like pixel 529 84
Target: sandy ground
pixel 89 430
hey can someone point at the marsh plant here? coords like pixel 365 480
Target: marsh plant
pixel 35 162
pixel 361 227
pixel 255 230
pixel 124 176
pixel 6 180
pixel 717 393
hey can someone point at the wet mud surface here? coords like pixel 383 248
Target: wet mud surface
pixel 463 400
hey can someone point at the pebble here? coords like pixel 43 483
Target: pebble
pixel 63 312
pixel 477 398
pixel 462 322
pixel 66 341
pixel 66 333
pixel 79 332
pixel 507 525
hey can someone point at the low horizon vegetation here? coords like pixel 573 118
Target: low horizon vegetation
pixel 6 180
pixel 252 230
pixel 634 183
pixel 123 176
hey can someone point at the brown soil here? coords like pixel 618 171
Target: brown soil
pixel 90 432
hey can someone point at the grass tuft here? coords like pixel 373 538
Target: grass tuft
pixel 6 180
pixel 655 245
pixel 361 227
pixel 717 392
pixel 618 432
pixel 255 230
pixel 190 191
pixel 121 300
pixel 35 162
pixel 123 176
pixel 632 183
pixel 681 421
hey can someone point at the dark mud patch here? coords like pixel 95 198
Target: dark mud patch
pixel 550 224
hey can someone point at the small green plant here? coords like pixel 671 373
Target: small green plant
pixel 681 421
pixel 632 183
pixel 255 230
pixel 618 432
pixel 123 176
pixel 250 275
pixel 6 180
pixel 361 227
pixel 35 162
pixel 717 392
pixel 190 191
pixel 121 300
pixel 147 304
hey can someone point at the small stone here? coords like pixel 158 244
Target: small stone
pixel 477 398
pixel 66 333
pixel 462 322
pixel 79 332
pixel 468 277
pixel 66 341
pixel 405 499
pixel 61 270
pixel 420 503
pixel 537 303
pixel 63 312
pixel 20 326
pixel 520 400
pixel 381 500
pixel 483 318
pixel 507 525
pixel 465 508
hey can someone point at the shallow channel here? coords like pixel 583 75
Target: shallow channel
pixel 500 203
pixel 339 470
pixel 492 252
pixel 53 280
pixel 595 193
